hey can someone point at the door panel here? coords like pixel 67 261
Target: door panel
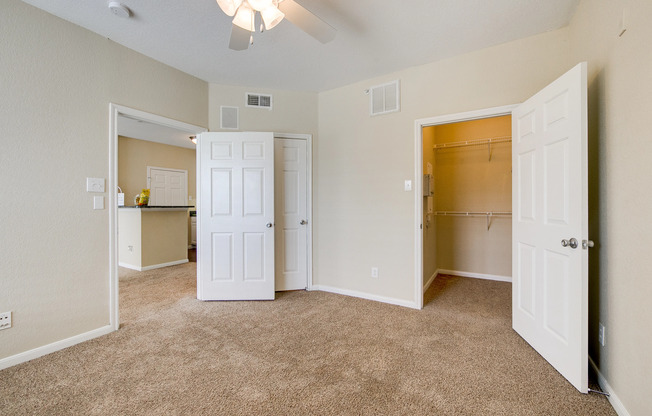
pixel 550 204
pixel 168 187
pixel 222 254
pixel 235 259
pixel 291 207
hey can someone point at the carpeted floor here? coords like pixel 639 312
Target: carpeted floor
pixel 307 353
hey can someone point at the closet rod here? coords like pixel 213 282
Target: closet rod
pixel 473 213
pixel 487 214
pixel 492 140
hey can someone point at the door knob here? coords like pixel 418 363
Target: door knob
pixel 587 244
pixel 572 243
pixel 269 225
pixel 303 222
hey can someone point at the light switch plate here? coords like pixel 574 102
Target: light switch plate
pixel 408 185
pixel 94 184
pixel 98 202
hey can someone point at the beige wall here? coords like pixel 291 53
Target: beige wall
pixel 363 217
pixel 135 155
pixel 429 220
pixel 466 180
pixel 57 82
pixel 157 237
pixel 130 234
pixel 292 111
pixel 164 236
pixel 620 177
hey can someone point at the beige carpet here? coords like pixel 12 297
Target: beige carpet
pixel 305 353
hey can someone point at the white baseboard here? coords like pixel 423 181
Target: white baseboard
pixel 152 267
pixel 476 275
pixel 613 398
pixel 363 295
pixel 429 282
pixel 55 346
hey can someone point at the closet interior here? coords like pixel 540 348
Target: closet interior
pixel 467 199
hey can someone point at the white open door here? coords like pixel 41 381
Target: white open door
pixel 550 225
pixel 235 216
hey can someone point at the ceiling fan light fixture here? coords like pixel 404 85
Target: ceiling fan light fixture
pixel 229 7
pixel 260 5
pixel 271 16
pixel 244 17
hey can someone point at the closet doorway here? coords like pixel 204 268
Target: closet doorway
pixel 464 198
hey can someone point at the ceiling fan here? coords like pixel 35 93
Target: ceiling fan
pixel 271 12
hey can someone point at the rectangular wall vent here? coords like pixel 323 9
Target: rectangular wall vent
pixel 229 118
pixel 259 100
pixel 385 98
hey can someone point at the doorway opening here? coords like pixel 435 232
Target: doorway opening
pixel 449 219
pixel 467 199
pixel 149 126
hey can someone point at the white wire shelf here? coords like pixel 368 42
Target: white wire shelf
pixel 488 214
pixel 473 213
pixel 479 142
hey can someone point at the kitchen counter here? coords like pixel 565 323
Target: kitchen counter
pixel 154 208
pixel 152 237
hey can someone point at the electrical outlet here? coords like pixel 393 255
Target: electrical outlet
pixel 5 320
pixel 374 272
pixel 601 334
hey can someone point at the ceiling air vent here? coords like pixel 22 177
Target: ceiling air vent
pixel 259 100
pixel 228 117
pixel 385 98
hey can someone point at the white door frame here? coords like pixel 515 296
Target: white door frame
pixel 114 111
pixel 418 180
pixel 308 139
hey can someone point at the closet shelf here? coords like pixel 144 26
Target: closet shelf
pixel 473 213
pixel 487 214
pixel 480 142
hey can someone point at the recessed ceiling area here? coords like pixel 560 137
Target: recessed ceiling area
pixel 373 37
pixel 145 130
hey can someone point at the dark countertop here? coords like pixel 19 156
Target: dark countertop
pixel 147 206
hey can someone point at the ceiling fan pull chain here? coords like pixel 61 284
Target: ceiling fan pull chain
pixel 253 27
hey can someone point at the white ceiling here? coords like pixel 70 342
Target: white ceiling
pixel 374 37
pixel 152 132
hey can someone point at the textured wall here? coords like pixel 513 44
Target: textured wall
pixel 57 82
pixel 363 217
pixel 292 111
pixel 620 287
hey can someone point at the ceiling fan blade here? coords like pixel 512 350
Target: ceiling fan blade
pixel 307 21
pixel 239 38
